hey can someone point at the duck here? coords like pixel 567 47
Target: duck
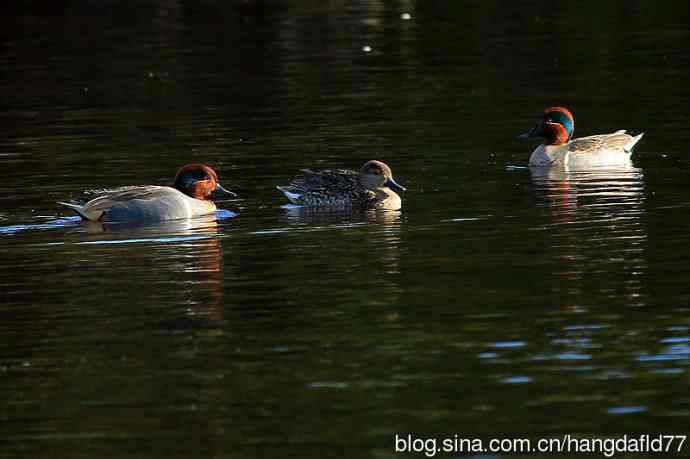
pixel 556 125
pixel 372 187
pixel 191 195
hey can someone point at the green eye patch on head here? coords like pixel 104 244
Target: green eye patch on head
pixel 562 118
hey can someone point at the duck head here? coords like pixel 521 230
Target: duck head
pixel 556 126
pixel 200 182
pixel 375 174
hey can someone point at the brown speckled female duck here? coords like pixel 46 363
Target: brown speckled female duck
pixel 373 187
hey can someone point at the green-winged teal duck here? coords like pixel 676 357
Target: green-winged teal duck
pixel 192 194
pixel 556 126
pixel 372 187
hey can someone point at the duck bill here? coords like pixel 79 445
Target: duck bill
pixel 221 193
pixel 534 132
pixel 393 185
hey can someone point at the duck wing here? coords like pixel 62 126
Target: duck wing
pixel 127 193
pixel 116 193
pixel 618 140
pixel 586 144
pixel 331 187
pixel 330 181
pixel 112 191
pixel 93 209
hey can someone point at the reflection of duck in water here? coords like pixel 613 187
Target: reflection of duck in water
pixel 338 216
pixel 192 195
pixel 603 185
pixel 367 234
pixel 620 181
pixel 590 213
pixel 373 187
pixel 183 229
pixel 557 125
pixel 181 252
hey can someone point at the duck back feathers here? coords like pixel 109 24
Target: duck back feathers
pixel 331 187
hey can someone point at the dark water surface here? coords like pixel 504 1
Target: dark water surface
pixel 500 302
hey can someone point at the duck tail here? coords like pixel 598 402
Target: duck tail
pixel 84 213
pixel 294 198
pixel 633 142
